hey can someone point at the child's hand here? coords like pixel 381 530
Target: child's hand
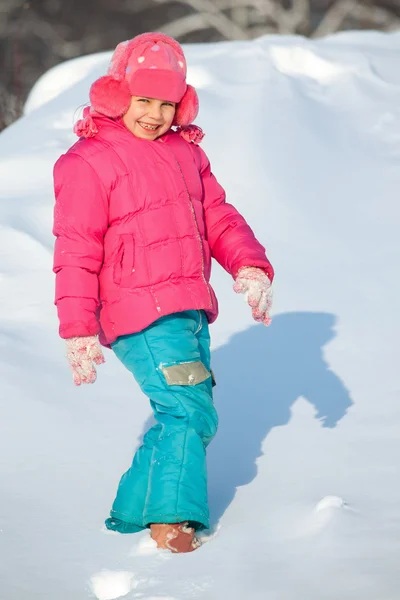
pixel 256 286
pixel 82 352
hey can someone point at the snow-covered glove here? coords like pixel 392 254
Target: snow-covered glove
pixel 82 352
pixel 254 283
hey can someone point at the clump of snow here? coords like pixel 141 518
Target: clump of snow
pixel 208 534
pixel 328 510
pixel 330 502
pixel 145 547
pixel 108 585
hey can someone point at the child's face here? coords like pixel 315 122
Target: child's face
pixel 149 118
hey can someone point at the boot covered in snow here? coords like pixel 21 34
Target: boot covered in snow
pixel 176 537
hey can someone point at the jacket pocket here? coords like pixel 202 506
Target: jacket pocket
pixel 125 260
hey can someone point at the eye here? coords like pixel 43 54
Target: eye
pixel 169 104
pixel 143 100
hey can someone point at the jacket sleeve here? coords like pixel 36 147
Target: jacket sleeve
pixel 232 241
pixel 80 222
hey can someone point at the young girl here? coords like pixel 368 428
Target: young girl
pixel 138 217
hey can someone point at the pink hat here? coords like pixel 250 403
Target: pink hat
pixel 151 65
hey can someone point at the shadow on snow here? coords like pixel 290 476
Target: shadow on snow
pixel 260 373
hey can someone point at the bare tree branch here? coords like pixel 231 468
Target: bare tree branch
pixel 185 25
pixel 380 17
pixel 298 15
pixel 10 107
pixel 267 8
pixel 43 30
pixel 7 7
pixel 286 20
pixel 129 6
pixel 215 18
pixel 334 17
pixel 240 15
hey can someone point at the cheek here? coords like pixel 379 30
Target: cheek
pixel 170 117
pixel 135 112
pixel 136 115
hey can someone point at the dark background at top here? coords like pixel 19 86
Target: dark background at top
pixel 38 34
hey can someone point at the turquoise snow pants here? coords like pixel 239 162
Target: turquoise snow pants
pixel 167 481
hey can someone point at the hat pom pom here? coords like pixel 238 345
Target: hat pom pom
pixel 188 108
pixel 191 133
pixel 86 127
pixel 110 97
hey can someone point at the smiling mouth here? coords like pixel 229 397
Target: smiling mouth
pixel 148 127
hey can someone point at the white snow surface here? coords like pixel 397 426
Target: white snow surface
pixel 108 585
pixel 304 472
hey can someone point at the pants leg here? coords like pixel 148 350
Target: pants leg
pixel 127 511
pixel 167 481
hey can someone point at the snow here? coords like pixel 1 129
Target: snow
pixel 303 474
pixel 108 585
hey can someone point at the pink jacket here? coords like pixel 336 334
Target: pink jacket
pixel 137 223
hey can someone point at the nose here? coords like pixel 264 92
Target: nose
pixel 155 112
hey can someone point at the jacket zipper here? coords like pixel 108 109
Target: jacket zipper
pixel 197 226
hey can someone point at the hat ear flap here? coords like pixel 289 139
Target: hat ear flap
pixel 187 108
pixel 110 97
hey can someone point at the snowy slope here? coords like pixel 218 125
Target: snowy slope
pixel 304 476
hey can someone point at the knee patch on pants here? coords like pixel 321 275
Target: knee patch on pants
pixel 185 373
pixel 189 374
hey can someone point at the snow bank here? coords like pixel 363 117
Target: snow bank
pixel 303 475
